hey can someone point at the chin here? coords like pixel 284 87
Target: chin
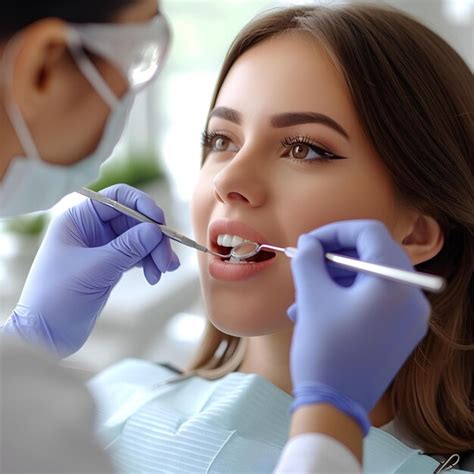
pixel 251 307
pixel 244 321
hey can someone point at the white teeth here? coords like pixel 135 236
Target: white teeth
pixel 237 261
pixel 226 240
pixel 236 240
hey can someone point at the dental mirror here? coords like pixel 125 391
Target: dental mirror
pixel 247 250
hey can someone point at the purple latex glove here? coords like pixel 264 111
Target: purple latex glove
pixel 352 333
pixel 83 255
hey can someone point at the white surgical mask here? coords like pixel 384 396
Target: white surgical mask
pixel 32 184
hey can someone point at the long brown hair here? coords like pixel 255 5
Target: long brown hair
pixel 415 99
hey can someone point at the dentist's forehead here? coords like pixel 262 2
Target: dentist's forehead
pixel 139 11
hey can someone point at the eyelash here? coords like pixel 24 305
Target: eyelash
pixel 207 138
pixel 326 155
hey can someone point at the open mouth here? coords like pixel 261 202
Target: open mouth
pixel 225 243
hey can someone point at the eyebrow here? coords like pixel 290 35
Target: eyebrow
pixel 227 114
pixel 298 118
pixel 282 120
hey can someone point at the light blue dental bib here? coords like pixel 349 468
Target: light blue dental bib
pixel 238 423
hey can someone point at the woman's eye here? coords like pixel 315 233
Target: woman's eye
pixel 301 149
pixel 217 142
pixel 220 143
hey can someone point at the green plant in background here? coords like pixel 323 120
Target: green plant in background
pixel 26 225
pixel 136 168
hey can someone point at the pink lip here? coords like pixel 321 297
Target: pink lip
pixel 221 270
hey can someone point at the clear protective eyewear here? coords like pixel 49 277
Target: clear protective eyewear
pixel 136 49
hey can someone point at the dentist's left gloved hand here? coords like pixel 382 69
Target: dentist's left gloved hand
pixel 352 333
pixel 83 256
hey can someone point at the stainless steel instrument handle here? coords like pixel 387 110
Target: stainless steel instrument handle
pixel 168 231
pixel 426 281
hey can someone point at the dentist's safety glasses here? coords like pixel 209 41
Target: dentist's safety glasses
pixel 136 49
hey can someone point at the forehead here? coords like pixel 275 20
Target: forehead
pixel 138 11
pixel 284 73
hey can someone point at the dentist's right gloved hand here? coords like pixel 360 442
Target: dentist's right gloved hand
pixel 83 256
pixel 352 333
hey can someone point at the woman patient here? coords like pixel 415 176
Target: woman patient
pixel 320 114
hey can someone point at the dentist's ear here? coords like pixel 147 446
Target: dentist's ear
pixel 424 240
pixel 39 56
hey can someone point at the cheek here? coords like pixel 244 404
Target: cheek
pixel 67 137
pixel 201 206
pixel 322 198
pixel 201 209
pixel 114 78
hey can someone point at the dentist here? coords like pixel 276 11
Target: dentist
pixel 69 72
pixel 66 90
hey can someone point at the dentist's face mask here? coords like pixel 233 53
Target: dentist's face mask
pixel 137 50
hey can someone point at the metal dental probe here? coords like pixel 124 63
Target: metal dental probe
pixel 168 231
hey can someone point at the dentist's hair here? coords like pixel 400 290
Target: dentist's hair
pixel 21 13
pixel 415 99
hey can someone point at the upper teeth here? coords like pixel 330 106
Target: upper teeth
pixel 226 240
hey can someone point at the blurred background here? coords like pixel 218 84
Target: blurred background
pixel 160 153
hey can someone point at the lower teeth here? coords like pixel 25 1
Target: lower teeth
pixel 236 260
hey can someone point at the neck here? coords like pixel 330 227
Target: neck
pixel 268 356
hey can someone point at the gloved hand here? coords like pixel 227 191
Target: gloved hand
pixel 84 253
pixel 352 332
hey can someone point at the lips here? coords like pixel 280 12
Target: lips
pixel 221 270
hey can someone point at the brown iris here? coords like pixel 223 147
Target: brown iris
pixel 300 151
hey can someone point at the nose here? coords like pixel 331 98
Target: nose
pixel 241 181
